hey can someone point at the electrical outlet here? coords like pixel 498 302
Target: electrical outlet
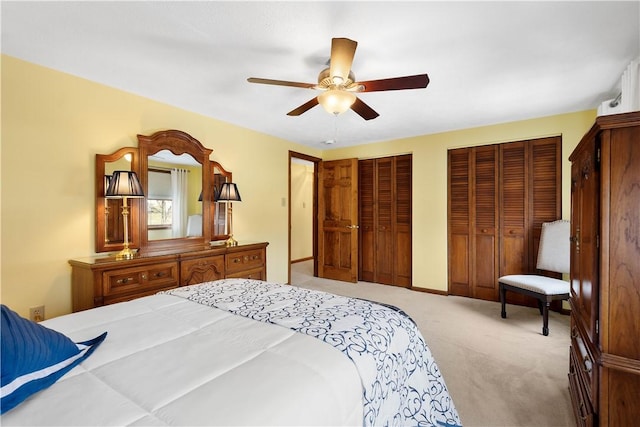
pixel 37 313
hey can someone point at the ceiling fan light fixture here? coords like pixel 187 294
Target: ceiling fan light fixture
pixel 336 101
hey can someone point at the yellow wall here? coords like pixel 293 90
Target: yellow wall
pixel 430 178
pixel 301 211
pixel 54 124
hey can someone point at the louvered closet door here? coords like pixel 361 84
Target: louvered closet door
pixel 545 197
pixel 402 235
pixel 485 223
pixel 366 236
pixel 459 221
pixel 514 254
pixel 499 196
pixel 385 220
pixel 384 254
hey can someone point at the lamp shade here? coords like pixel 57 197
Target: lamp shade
pixel 336 101
pixel 107 182
pixel 228 193
pixel 124 184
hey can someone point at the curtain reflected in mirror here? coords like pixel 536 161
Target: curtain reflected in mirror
pixel 174 210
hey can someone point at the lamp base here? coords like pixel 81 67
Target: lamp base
pixel 126 253
pixel 231 241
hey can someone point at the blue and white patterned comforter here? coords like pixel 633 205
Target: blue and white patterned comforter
pixel 401 382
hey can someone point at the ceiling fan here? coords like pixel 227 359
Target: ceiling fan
pixel 338 84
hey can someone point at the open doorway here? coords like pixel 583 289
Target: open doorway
pixel 303 209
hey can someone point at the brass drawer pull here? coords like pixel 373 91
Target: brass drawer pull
pixel 124 281
pixel 159 274
pixel 236 260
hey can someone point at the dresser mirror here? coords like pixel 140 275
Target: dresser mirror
pixel 176 175
pixel 109 225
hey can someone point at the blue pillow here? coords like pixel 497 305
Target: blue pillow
pixel 33 357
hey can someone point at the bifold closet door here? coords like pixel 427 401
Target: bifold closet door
pixel 473 221
pixel 499 196
pixel 385 220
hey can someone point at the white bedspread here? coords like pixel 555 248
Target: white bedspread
pixel 170 361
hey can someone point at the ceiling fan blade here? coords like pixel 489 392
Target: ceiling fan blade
pixel 364 110
pixel 342 53
pixel 396 83
pixel 281 83
pixel 304 107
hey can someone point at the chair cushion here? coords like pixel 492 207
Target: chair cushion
pixel 541 284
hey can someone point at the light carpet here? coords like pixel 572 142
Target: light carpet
pixel 500 372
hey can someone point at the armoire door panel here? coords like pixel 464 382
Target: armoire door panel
pixel 624 220
pixel 588 235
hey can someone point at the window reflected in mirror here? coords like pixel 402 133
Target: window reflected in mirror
pixel 174 210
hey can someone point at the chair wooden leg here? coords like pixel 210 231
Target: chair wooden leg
pixel 503 298
pixel 545 317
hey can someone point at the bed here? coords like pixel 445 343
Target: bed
pixel 244 352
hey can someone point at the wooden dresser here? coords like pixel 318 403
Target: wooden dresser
pixel 604 365
pixel 102 280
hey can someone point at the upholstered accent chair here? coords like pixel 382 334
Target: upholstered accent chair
pixel 553 255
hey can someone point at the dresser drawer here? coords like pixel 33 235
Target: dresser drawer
pixel 255 274
pixel 583 363
pixel 136 280
pixel 199 270
pixel 246 260
pixel 582 407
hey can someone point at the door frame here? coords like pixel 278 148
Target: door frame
pixel 316 161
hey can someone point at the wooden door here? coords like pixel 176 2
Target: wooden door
pixel 484 245
pixel 585 189
pixel 384 208
pixel 530 180
pixel 402 220
pixel 337 220
pixel 514 253
pixel 367 220
pixel 459 201
pixel 385 220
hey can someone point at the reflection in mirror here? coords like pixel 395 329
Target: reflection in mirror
pixel 174 187
pixel 114 228
pixel 109 226
pixel 220 223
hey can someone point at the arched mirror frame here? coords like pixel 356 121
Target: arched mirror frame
pixel 177 142
pixel 102 243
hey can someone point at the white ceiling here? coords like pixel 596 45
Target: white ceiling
pixel 489 62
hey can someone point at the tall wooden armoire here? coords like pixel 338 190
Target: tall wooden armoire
pixel 604 365
pixel 384 194
pixel 499 196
